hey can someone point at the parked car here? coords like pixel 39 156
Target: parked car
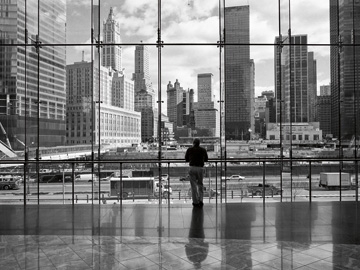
pixel 269 190
pixel 233 177
pixel 184 178
pixel 212 192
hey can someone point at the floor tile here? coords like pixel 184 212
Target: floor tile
pixel 235 236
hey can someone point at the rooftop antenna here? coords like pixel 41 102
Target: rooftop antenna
pixel 83 54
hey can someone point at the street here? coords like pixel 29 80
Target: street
pixel 234 190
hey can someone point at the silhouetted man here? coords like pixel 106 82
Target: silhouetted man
pixel 196 156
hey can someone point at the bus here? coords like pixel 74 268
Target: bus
pixel 139 187
pixel 9 182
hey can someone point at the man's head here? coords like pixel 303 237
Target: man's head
pixel 196 142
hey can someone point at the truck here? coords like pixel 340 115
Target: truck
pixel 139 187
pixel 86 177
pixel 257 190
pixel 331 180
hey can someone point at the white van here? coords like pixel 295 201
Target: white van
pixel 86 177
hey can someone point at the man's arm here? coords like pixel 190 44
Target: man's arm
pixel 187 156
pixel 205 156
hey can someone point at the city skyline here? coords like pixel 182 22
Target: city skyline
pixel 196 56
pixel 183 22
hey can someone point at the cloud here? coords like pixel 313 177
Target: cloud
pixel 192 31
pixel 141 18
pixel 197 21
pixel 133 7
pixel 78 3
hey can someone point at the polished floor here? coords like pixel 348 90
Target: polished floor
pixel 177 236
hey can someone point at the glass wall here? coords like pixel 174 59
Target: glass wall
pixel 99 100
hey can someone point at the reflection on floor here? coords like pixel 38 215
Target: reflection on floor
pixel 143 236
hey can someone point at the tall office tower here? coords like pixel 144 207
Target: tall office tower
pixel 19 103
pixel 144 102
pixel 112 54
pixel 205 89
pixel 325 90
pixel 312 86
pixel 174 102
pixel 294 79
pixel 141 77
pixel 185 111
pixel 323 114
pixel 237 73
pixel 279 82
pixel 187 115
pixel 252 97
pixel 270 111
pixel 344 68
pixel 144 94
pixel 206 114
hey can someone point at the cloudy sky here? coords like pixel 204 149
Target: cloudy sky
pixel 197 21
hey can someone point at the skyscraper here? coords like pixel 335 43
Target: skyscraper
pixel 112 54
pixel 113 120
pixel 206 115
pixel 345 68
pixel 323 107
pixel 237 73
pixel 312 86
pixel 144 94
pixel 297 81
pixel 141 76
pixel 296 78
pixel 40 101
pixel 174 102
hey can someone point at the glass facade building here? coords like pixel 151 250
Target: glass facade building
pixel 33 80
pixel 59 93
pixel 237 72
pixel 344 30
pixel 94 126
